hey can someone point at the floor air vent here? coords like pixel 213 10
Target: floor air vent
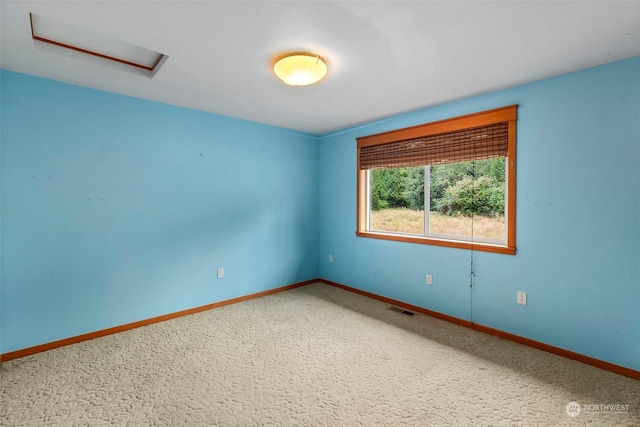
pixel 401 310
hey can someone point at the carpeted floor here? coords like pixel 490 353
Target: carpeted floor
pixel 311 356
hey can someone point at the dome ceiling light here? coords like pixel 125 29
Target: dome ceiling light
pixel 300 69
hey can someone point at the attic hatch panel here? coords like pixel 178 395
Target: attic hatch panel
pixel 76 42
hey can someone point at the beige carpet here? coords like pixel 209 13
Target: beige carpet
pixel 312 356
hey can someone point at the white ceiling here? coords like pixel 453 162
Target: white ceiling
pixel 384 58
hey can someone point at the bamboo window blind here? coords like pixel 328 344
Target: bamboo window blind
pixel 484 142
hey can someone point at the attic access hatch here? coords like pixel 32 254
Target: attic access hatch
pixel 71 41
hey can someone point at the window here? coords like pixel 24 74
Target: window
pixel 448 183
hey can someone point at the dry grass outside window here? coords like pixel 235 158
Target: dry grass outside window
pixel 412 222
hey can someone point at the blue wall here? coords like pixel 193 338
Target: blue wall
pixel 116 209
pixel 578 220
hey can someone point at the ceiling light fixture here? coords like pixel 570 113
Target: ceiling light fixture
pixel 300 69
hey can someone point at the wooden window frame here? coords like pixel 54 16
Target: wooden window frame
pixel 499 115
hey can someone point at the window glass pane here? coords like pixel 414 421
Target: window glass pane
pixel 397 200
pixel 467 199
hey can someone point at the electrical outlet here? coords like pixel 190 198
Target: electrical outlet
pixel 220 273
pixel 522 298
pixel 429 279
pixel 330 258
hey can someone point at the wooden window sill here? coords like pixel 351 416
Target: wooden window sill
pixel 476 246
